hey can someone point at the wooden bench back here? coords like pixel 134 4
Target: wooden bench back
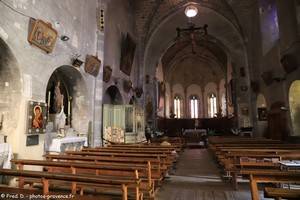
pixel 46 176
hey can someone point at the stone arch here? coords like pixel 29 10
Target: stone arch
pixel 294 103
pixel 74 89
pixel 261 109
pixel 10 91
pixel 112 95
pixel 261 101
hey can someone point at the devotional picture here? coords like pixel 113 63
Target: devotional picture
pixel 37 117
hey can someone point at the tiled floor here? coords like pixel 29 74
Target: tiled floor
pixel 197 178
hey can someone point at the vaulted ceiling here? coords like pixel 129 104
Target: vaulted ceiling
pixel 228 21
pixel 150 13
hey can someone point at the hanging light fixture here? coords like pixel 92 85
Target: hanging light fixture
pixel 191 11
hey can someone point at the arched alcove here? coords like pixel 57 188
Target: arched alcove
pixel 261 101
pixel 294 100
pixel 10 90
pixel 261 106
pixel 73 88
pixel 112 95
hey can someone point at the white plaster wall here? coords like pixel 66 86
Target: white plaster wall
pixel 222 97
pixel 168 102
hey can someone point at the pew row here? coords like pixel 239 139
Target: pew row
pixel 278 177
pixel 74 180
pixel 114 171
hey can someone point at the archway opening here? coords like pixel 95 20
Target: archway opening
pixel 10 91
pixel 70 84
pixel 261 106
pixel 294 100
pixel 112 96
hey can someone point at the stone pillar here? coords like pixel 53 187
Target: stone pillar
pixel 98 85
pixel 185 103
pixel 204 103
pixel 287 21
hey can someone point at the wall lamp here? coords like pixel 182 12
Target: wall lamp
pixel 64 38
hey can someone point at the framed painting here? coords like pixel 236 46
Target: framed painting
pixel 42 35
pixel 127 54
pixel 107 72
pixel 37 117
pixel 127 85
pixel 92 65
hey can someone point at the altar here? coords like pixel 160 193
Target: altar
pixel 59 145
pixel 195 135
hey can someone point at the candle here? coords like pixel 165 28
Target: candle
pixel 49 97
pixel 69 108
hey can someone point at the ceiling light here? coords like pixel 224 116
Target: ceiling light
pixel 191 11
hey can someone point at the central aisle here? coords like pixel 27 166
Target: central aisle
pixel 197 178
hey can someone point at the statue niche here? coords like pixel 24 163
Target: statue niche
pixel 60 117
pixel 58 105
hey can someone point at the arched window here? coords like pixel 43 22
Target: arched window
pixel 194 106
pixel 177 107
pixel 212 105
pixel 294 100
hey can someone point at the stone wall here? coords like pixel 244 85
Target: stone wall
pixel 119 20
pixel 33 67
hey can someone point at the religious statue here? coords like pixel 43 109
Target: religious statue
pixel 58 98
pixel 60 121
pixel 60 117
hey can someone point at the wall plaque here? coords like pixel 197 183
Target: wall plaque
pixel 42 35
pixel 107 71
pixel 92 65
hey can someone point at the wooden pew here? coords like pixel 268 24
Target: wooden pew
pixel 234 155
pixel 239 164
pixel 158 169
pixel 163 158
pixel 261 176
pixel 45 177
pixel 129 150
pixel 167 154
pixel 114 171
pixel 277 193
pixel 29 194
pixel 177 148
